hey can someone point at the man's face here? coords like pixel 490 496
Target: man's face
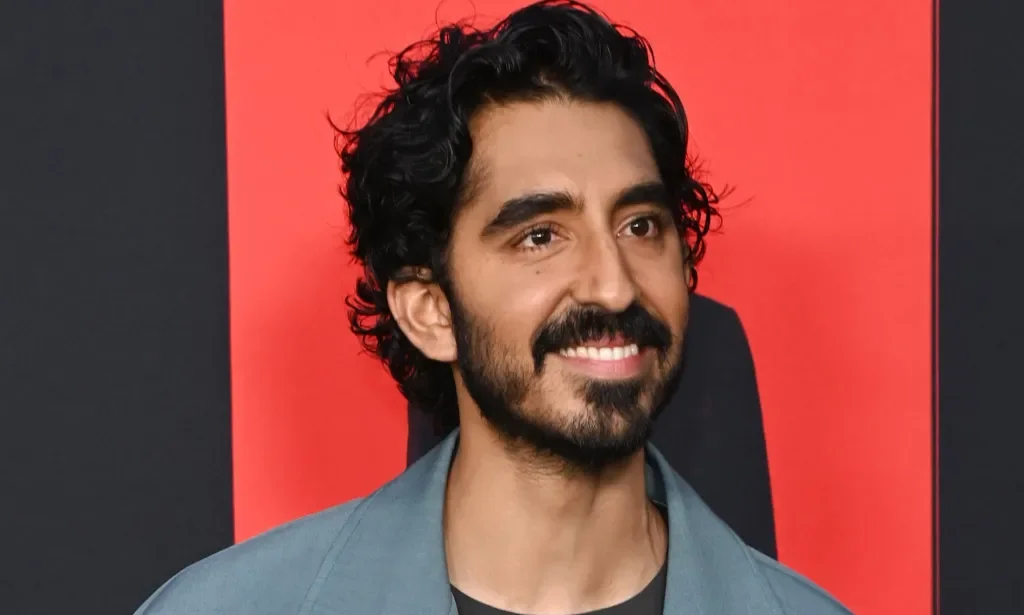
pixel 567 282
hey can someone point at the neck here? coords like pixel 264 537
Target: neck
pixel 530 541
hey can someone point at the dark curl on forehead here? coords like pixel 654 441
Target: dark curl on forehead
pixel 406 167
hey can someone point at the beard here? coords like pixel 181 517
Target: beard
pixel 619 413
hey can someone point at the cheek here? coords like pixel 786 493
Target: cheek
pixel 518 300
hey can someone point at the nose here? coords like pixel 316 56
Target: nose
pixel 604 278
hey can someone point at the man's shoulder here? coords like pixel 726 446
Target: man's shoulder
pixel 273 572
pixel 798 594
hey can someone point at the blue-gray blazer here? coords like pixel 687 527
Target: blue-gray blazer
pixel 384 555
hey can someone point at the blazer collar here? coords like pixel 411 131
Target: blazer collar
pixel 392 561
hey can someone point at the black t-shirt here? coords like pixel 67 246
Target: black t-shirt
pixel 650 601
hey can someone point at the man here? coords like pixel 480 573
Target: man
pixel 528 225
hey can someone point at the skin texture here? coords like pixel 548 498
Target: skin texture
pixel 546 509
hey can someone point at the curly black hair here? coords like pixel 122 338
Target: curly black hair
pixel 407 172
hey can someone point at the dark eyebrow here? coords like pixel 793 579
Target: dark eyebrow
pixel 522 209
pixel 646 193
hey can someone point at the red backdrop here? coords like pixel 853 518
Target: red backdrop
pixel 817 113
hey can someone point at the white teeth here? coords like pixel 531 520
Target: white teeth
pixel 605 353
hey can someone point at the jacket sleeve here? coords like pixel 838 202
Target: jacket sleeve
pixel 269 574
pixel 798 595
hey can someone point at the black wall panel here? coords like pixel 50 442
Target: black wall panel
pixel 114 375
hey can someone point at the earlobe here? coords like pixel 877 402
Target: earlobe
pixel 422 312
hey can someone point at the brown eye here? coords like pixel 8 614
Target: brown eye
pixel 643 227
pixel 538 237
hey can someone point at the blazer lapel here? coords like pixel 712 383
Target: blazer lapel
pixel 710 570
pixel 393 561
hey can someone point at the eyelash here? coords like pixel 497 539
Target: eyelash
pixel 523 236
pixel 656 221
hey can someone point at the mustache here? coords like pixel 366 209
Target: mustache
pixel 583 324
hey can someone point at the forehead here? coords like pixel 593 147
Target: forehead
pixel 590 149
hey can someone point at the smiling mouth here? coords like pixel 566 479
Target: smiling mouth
pixel 607 359
pixel 601 353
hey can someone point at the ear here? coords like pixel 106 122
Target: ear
pixel 422 312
